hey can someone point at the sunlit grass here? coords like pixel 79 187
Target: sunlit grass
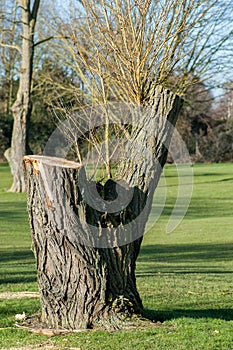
pixel 184 277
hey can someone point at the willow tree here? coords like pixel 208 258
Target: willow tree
pixel 135 59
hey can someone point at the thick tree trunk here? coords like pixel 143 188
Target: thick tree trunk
pixel 86 258
pixel 22 106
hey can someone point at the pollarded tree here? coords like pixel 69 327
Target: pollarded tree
pixel 87 233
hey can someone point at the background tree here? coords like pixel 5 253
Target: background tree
pixel 48 71
pixel 224 107
pixel 8 72
pixel 9 56
pixel 122 51
pixel 218 145
pixel 22 106
pixel 196 117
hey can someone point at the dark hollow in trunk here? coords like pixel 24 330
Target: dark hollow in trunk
pixel 86 258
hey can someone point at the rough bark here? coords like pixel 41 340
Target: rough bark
pixel 86 258
pixel 22 106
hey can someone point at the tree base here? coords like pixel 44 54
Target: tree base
pixel 114 323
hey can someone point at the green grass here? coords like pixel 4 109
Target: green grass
pixel 184 277
pixel 17 268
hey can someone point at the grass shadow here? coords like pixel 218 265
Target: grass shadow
pixel 11 211
pixel 201 209
pixel 185 258
pixel 167 315
pixel 17 267
pixel 16 256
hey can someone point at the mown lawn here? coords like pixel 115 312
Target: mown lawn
pixel 184 277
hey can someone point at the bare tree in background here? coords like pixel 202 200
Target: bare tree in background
pixel 22 106
pixel 9 56
pixel 143 54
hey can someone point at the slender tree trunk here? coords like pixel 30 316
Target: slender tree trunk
pixel 22 107
pixel 86 258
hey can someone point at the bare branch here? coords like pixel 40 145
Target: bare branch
pixel 50 38
pixel 122 50
pixel 14 47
